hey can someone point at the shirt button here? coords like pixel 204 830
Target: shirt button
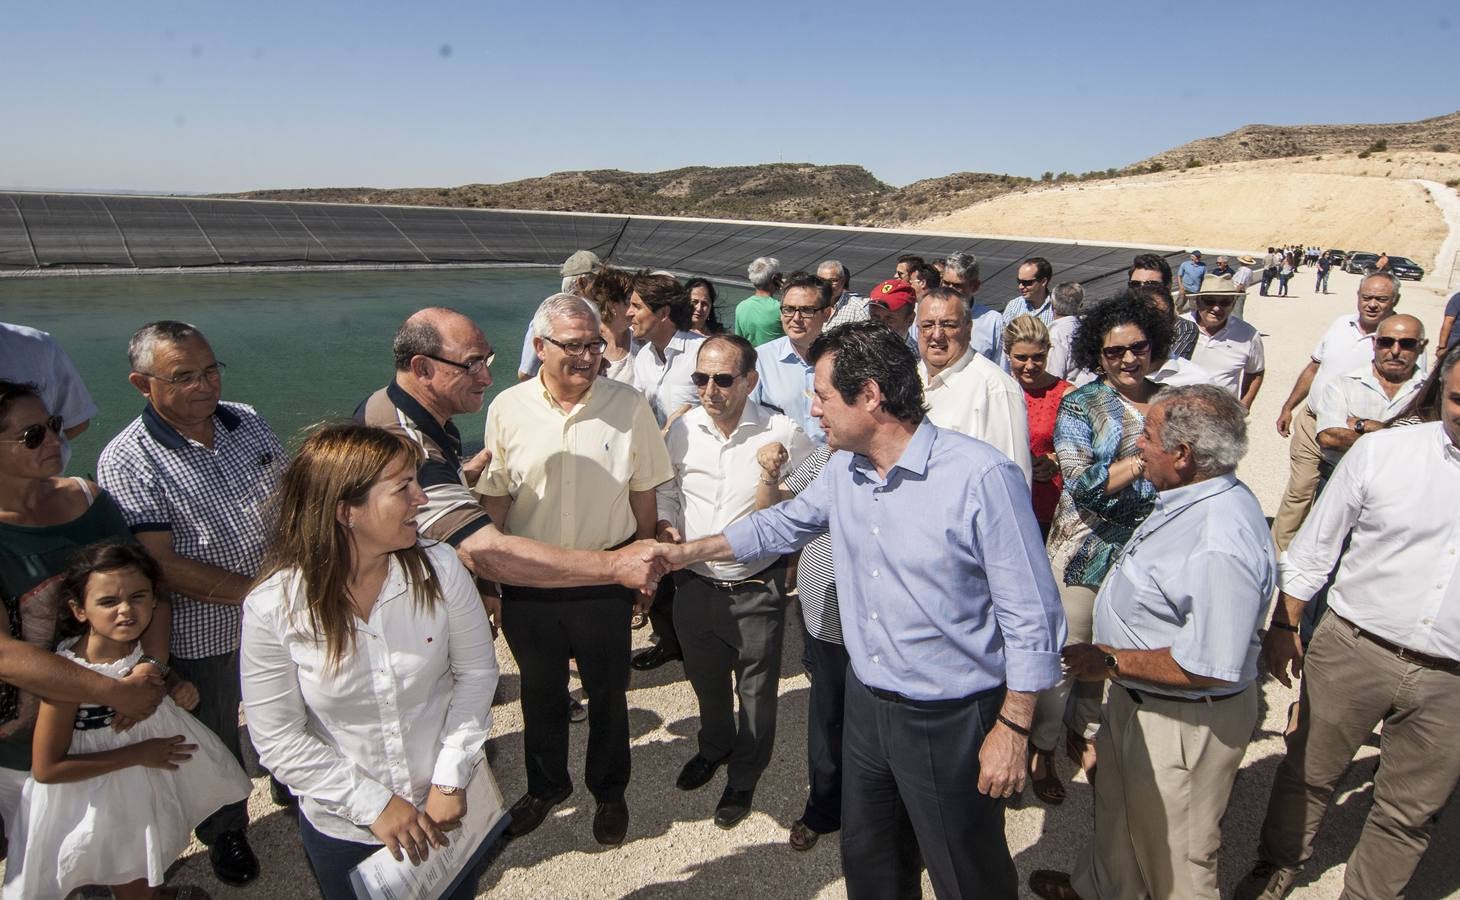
pixel 876 659
pixel 876 530
pixel 874 617
pixel 875 573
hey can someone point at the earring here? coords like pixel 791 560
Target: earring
pixel 350 524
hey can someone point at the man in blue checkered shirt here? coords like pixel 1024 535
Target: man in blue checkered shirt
pixel 193 476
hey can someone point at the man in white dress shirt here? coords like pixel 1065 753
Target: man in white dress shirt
pixel 964 390
pixel 1347 345
pixel 1068 302
pixel 1387 651
pixel 1364 400
pixel 1227 347
pixel 727 455
pixel 659 316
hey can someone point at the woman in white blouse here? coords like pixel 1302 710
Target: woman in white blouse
pixel 367 659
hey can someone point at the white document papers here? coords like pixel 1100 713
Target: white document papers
pixel 381 877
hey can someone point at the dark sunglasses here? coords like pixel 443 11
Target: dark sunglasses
pixel 1117 353
pixel 1150 282
pixel 1219 302
pixel 1028 282
pixel 722 379
pixel 1384 343
pixel 35 435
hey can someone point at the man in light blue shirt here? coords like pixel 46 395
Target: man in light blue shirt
pixel 1192 272
pixel 782 365
pixel 1177 629
pixel 1034 276
pixel 950 614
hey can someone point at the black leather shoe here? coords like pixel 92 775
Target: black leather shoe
pixel 654 657
pixel 611 823
pixel 529 811
pixel 281 795
pixel 233 860
pixel 697 773
pixel 733 807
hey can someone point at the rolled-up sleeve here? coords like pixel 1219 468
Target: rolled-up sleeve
pixel 786 527
pixel 278 721
pixel 473 667
pixel 1026 603
pixel 1304 566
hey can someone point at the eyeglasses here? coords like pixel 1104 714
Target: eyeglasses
pixel 1117 353
pixel 1028 282
pixel 35 435
pixel 791 312
pixel 1149 282
pixel 190 379
pixel 722 379
pixel 578 348
pixel 928 326
pixel 1385 343
pixel 475 367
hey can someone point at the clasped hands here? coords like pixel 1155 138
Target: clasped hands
pixel 411 832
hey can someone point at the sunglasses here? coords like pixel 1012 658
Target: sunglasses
pixel 1385 343
pixel 1117 353
pixel 35 435
pixel 722 379
pixel 1149 282
pixel 1220 303
pixel 1028 282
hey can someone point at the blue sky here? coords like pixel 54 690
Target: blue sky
pixel 212 96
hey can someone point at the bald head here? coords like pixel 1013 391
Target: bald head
pixel 1399 342
pixel 1401 325
pixel 427 330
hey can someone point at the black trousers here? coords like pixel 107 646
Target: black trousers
pixel 219 694
pixel 661 615
pixel 545 629
pixel 826 666
pixel 910 798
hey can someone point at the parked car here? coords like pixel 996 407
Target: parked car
pixel 1404 267
pixel 1357 263
pixel 1337 256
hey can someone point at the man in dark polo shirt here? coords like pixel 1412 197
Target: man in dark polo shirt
pixel 442 369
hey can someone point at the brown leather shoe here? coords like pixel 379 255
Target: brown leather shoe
pixel 1051 885
pixel 611 823
pixel 528 813
pixel 803 836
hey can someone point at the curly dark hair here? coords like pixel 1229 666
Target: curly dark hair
pixel 1128 308
pixel 870 351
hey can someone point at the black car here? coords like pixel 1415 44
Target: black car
pixel 1404 267
pixel 1337 256
pixel 1358 263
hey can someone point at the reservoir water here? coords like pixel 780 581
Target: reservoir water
pixel 300 346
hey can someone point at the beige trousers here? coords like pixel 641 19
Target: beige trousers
pixel 1054 710
pixel 1350 685
pixel 1166 773
pixel 1304 455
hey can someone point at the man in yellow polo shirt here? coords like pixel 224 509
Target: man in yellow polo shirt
pixel 575 460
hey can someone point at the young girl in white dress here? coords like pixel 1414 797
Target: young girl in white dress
pixel 115 807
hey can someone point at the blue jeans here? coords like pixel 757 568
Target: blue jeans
pixel 331 859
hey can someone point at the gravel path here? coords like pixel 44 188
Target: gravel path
pixel 674 849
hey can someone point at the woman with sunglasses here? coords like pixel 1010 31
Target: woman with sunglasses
pixel 1105 496
pixel 45 520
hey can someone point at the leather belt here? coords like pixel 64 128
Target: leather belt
pixel 1411 656
pixel 1139 697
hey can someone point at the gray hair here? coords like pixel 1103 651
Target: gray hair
pixel 763 273
pixel 1069 297
pixel 562 306
pixel 143 344
pixel 962 265
pixel 417 337
pixel 1209 421
pixel 841 267
pixel 1384 274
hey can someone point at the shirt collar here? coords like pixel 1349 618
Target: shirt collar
pixel 1172 501
pixel 942 377
pixel 1452 452
pixel 914 458
pixel 447 437
pixel 790 354
pixel 547 396
pixel 171 438
pixel 754 415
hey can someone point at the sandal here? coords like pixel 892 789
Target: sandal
pixel 1048 788
pixel 803 836
pixel 1080 749
pixel 1052 885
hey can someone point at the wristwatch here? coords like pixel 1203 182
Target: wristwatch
pixel 446 790
pixel 1112 666
pixel 1359 425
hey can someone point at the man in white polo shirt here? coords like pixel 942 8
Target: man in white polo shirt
pixel 1227 347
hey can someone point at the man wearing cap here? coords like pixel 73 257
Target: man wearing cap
pixel 1229 349
pixel 576 271
pixel 1191 273
pixel 894 304
pixel 964 391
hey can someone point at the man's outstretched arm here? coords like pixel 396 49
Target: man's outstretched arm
pixel 509 559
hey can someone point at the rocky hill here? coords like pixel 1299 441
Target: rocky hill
pixel 850 195
pixel 1253 142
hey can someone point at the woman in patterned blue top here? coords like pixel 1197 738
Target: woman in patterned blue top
pixel 1106 495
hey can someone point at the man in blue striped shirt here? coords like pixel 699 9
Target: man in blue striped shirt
pixel 950 614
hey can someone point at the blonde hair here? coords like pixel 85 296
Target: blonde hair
pixel 337 463
pixel 1026 329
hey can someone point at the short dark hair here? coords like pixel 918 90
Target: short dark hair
pixel 11 391
pixel 820 285
pixel 416 337
pixel 744 348
pixel 1151 261
pixel 660 291
pixel 1128 308
pixel 912 261
pixel 1042 268
pixel 930 276
pixel 870 351
pixel 713 324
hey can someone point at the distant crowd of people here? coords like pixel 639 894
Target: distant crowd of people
pixel 1006 528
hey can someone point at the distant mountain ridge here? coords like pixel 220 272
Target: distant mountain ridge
pixel 851 195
